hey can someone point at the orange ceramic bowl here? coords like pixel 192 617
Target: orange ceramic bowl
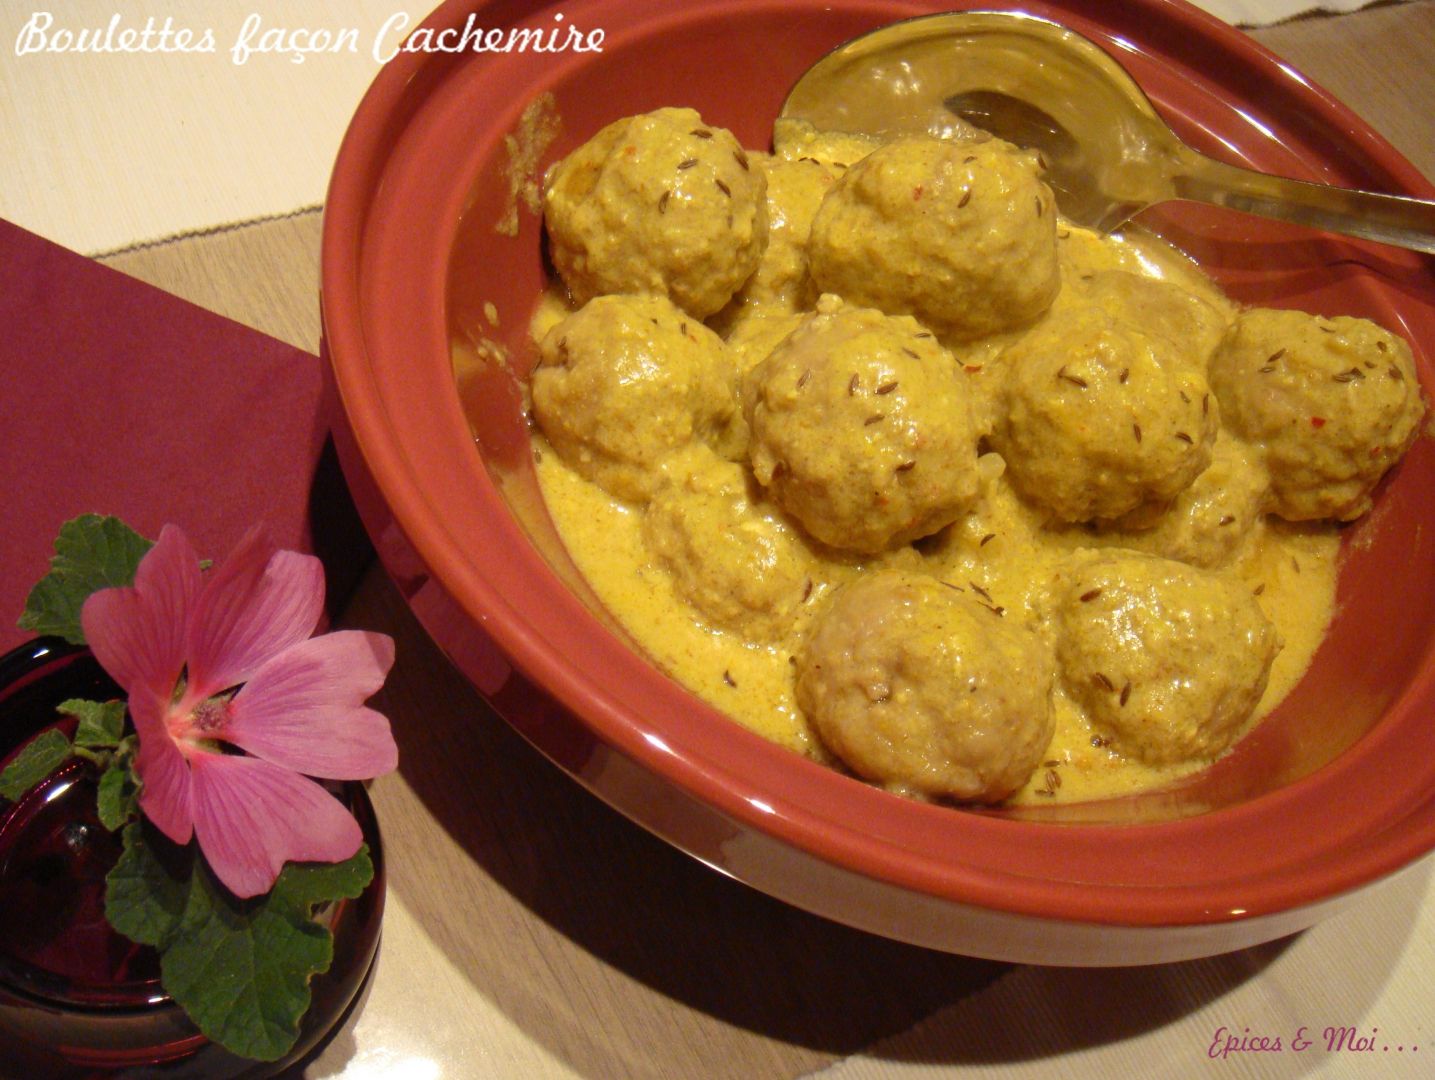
pixel 1335 791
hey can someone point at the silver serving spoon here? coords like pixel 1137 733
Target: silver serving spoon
pixel 1047 88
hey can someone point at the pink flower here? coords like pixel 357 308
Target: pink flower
pixel 180 641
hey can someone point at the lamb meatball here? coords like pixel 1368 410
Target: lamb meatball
pixel 917 686
pixel 798 140
pixel 780 283
pixel 861 430
pixel 729 553
pixel 1101 417
pixel 1207 523
pixel 960 235
pixel 1192 324
pixel 1168 661
pixel 626 381
pixel 1333 402
pixel 659 203
pixel 756 334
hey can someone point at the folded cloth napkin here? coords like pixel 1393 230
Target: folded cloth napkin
pixel 122 399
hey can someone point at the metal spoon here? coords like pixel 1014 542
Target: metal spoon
pixel 1039 85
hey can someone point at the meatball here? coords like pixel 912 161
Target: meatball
pixel 861 430
pixel 729 553
pixel 756 334
pixel 627 380
pixel 917 686
pixel 1101 417
pixel 781 283
pixel 659 203
pixel 1334 403
pixel 960 235
pixel 1208 522
pixel 1168 661
pixel 798 140
pixel 1189 322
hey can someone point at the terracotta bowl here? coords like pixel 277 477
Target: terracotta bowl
pixel 1335 791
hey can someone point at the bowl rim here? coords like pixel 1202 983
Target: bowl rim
pixel 1406 831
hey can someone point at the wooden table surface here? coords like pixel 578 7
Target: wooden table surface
pixel 531 931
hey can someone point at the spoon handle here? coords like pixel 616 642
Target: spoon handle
pixel 1389 219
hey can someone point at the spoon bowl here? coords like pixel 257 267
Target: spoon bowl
pixel 1107 152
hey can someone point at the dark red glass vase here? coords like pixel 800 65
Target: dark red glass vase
pixel 76 998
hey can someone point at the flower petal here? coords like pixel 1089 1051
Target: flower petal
pixel 166 793
pixel 251 817
pixel 304 709
pixel 138 632
pixel 253 606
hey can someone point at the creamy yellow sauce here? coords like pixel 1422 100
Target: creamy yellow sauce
pixel 753 682
pixel 1001 549
pixel 1293 567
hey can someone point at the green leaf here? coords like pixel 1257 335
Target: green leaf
pixel 41 756
pixel 117 800
pixel 144 900
pixel 102 723
pixel 91 553
pixel 241 969
pixel 304 886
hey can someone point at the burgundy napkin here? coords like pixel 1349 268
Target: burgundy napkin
pixel 119 398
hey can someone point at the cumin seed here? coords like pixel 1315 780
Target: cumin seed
pixel 966 198
pixel 980 591
pixel 663 202
pixel 1089 595
pixel 906 466
pixel 741 159
pixel 687 163
pixel 1075 380
pixel 852 385
pixel 887 387
pixel 727 678
pixel 701 133
pixel 1126 692
pixel 1136 430
pixel 983 541
pixel 874 419
pixel 1103 682
pixel 807 591
pixel 802 379
pixel 724 188
pixel 1185 438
